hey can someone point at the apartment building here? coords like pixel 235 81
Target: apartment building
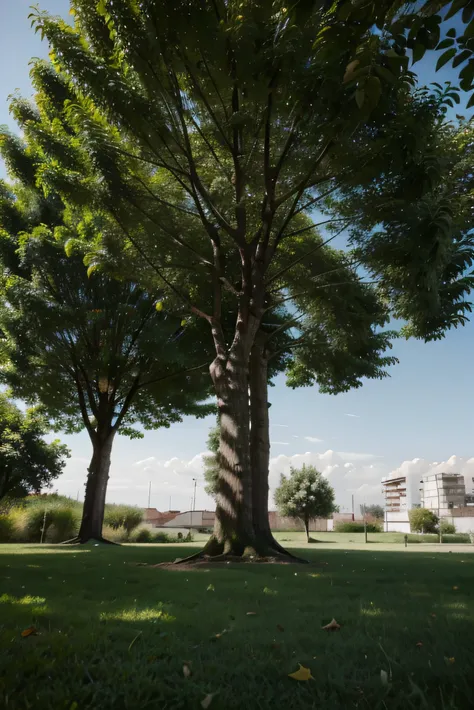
pixel 443 491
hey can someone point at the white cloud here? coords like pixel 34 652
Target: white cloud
pixel 356 416
pixel 279 443
pixel 285 426
pixel 313 439
pixel 150 459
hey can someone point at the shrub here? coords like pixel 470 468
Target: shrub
pixel 125 516
pixel 356 527
pixel 64 526
pixel 423 520
pixel 114 534
pixel 456 539
pixel 6 528
pixel 141 534
pixel 447 528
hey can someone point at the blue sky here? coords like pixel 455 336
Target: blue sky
pixel 418 419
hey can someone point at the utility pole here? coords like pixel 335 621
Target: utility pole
pixel 353 517
pixel 149 494
pixel 170 504
pixel 365 524
pixel 193 501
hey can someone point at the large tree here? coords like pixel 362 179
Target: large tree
pixel 96 353
pixel 27 462
pixel 214 126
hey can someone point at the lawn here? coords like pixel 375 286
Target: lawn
pixel 113 633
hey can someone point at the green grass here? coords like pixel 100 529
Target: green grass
pixel 115 634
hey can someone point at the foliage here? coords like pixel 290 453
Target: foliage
pixel 305 494
pixel 27 462
pixel 354 526
pixel 446 527
pixel 391 596
pixel 423 520
pixel 60 522
pixel 6 528
pixel 211 461
pixel 123 516
pixel 374 511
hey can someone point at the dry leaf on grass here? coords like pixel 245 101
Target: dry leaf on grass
pixel 450 661
pixel 419 644
pixel 384 677
pixel 301 674
pixel 186 670
pixel 30 631
pixel 332 626
pixel 207 700
pixel 251 613
pixel 210 588
pixel 455 588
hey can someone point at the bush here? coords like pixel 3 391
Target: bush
pixel 456 539
pixel 356 527
pixel 447 528
pixel 141 534
pixel 423 520
pixel 65 525
pixel 6 528
pixel 123 516
pixel 114 534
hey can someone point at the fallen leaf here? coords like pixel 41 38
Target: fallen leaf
pixel 30 631
pixel 384 677
pixel 280 627
pixel 449 660
pixel 455 588
pixel 313 575
pixel 207 700
pixel 332 626
pixel 301 674
pixel 210 588
pixel 434 616
pixel 419 644
pixel 186 670
pixel 251 613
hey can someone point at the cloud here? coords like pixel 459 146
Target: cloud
pixel 356 416
pixel 150 459
pixel 279 443
pixel 285 426
pixel 313 439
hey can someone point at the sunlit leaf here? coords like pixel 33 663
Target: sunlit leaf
pixel 301 674
pixel 186 670
pixel 207 700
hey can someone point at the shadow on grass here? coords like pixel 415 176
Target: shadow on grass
pixel 113 633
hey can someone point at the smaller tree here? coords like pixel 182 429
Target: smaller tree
pixel 211 461
pixel 373 511
pixel 305 494
pixel 27 462
pixel 423 520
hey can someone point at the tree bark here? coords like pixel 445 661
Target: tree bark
pixel 306 527
pixel 96 489
pixel 233 529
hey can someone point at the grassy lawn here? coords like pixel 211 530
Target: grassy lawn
pixel 116 634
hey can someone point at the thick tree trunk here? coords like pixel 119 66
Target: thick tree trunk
pixel 306 527
pixel 233 530
pixel 260 448
pixel 96 489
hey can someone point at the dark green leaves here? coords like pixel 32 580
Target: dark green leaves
pixel 445 58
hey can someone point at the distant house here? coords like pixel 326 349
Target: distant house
pixel 153 517
pixel 192 519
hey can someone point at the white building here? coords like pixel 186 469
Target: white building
pixel 443 491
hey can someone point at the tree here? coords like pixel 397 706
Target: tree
pixel 211 464
pixel 96 353
pixel 214 126
pixel 374 511
pixel 27 462
pixel 305 494
pixel 423 520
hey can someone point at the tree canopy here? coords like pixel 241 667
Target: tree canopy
pixel 211 132
pixel 305 494
pixel 27 462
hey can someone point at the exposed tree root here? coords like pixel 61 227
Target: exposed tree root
pixel 215 551
pixel 83 541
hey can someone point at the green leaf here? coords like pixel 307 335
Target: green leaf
pixel 360 97
pixel 470 103
pixel 418 52
pixel 455 7
pixel 373 90
pixel 159 306
pixel 69 247
pixel 91 269
pixel 445 44
pixel 385 74
pixel 445 58
pixel 469 31
pixel 451 32
pixel 461 57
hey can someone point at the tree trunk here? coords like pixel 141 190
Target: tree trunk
pixel 306 527
pixel 96 489
pixel 233 529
